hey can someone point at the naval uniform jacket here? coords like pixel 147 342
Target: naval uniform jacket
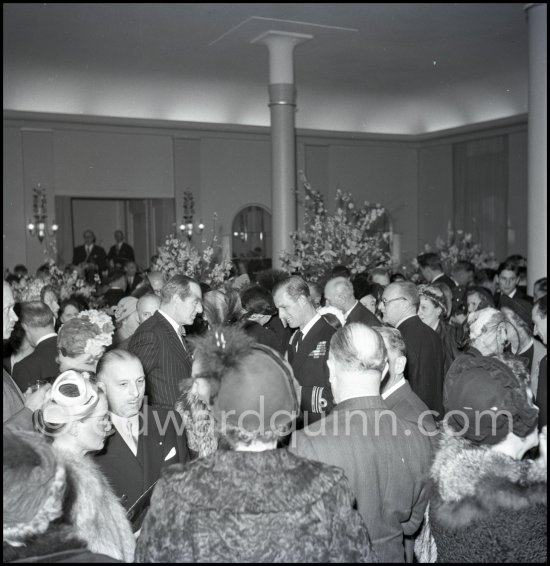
pixel 310 368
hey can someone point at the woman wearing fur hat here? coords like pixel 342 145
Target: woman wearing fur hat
pixel 76 419
pixel 488 505
pixel 249 501
pixel 34 526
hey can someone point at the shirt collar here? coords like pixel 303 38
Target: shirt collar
pixel 172 322
pixel 393 388
pixel 310 324
pixel 531 342
pixel 437 277
pixel 346 314
pixel 45 337
pixel 403 320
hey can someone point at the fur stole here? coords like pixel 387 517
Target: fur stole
pixel 200 430
pixel 94 510
pixel 57 539
pixel 474 482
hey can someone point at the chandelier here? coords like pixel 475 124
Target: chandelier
pixel 38 226
pixel 187 225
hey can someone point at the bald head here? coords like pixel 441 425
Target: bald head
pixel 339 294
pixel 147 306
pixel 156 280
pixel 358 360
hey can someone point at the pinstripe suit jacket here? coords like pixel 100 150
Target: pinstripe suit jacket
pixel 166 361
pixel 387 462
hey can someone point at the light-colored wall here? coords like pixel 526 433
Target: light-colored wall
pixel 91 163
pixel 228 169
pixel 435 192
pixel 517 193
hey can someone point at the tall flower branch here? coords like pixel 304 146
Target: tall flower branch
pixel 346 237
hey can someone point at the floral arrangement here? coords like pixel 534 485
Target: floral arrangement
pixel 178 255
pixel 460 246
pixel 103 325
pixel 343 238
pixel 455 247
pixel 73 283
pixel 28 288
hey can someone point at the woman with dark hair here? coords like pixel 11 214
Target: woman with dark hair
pixel 251 502
pixel 258 307
pixel 478 298
pixel 70 308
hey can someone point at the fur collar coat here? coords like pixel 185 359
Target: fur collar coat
pixel 57 545
pixel 485 507
pixel 94 510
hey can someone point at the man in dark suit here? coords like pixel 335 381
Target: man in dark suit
pixel 308 349
pixel 160 344
pixel 38 323
pixel 386 459
pixel 425 357
pixel 430 267
pixel 90 254
pixel 132 276
pixel 339 294
pixel 117 288
pixel 121 252
pixel 397 392
pixel 144 440
pixel 508 280
pixel 17 410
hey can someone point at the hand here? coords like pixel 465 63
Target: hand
pixel 35 399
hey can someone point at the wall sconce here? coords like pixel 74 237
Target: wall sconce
pixel 38 226
pixel 187 225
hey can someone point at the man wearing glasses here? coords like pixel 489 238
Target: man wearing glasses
pixel 425 360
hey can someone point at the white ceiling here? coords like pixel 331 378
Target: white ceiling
pixel 377 68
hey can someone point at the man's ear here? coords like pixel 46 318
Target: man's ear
pixel 400 363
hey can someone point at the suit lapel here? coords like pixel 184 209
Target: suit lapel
pixel 117 441
pixel 178 348
pixel 150 447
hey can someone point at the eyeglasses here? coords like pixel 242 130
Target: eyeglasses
pixel 386 302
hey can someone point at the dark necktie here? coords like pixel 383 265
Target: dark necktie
pixel 182 334
pixel 297 340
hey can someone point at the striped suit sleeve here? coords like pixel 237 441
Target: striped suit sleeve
pixel 145 346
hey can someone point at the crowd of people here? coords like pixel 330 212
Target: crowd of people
pixel 366 418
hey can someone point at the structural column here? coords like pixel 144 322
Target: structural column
pixel 537 144
pixel 282 102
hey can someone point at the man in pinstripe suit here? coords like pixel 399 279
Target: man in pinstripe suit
pixel 159 342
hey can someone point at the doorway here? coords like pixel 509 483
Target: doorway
pixel 145 223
